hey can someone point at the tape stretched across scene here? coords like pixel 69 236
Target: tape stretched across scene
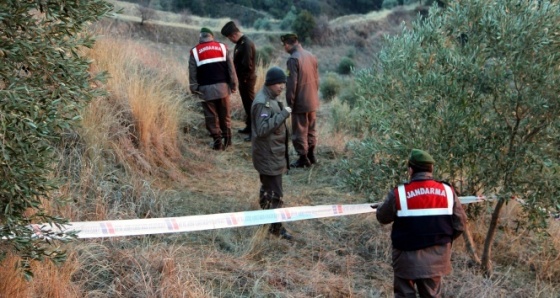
pixel 135 227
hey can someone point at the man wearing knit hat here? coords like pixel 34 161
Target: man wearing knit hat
pixel 302 95
pixel 244 55
pixel 270 143
pixel 427 216
pixel 212 77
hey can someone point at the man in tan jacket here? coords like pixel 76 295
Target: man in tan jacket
pixel 302 95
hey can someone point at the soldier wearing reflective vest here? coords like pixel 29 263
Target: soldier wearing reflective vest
pixel 427 216
pixel 212 76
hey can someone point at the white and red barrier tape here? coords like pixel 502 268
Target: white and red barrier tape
pixel 132 227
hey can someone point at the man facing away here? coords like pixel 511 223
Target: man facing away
pixel 302 95
pixel 270 143
pixel 244 54
pixel 212 76
pixel 427 216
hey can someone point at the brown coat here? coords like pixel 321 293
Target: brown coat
pixel 302 86
pixel 427 262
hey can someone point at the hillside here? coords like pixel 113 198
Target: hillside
pixel 143 152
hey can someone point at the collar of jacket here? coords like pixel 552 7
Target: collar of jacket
pixel 206 39
pixel 241 40
pixel 268 93
pixel 422 176
pixel 296 48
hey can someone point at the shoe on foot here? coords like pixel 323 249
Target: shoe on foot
pixel 285 235
pixel 302 162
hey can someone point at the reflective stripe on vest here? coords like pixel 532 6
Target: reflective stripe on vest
pixel 209 53
pixel 404 211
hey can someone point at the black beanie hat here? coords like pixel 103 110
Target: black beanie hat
pixel 229 29
pixel 275 75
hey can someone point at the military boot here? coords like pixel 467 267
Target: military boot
pixel 227 142
pixel 217 145
pixel 311 155
pixel 276 228
pixel 302 162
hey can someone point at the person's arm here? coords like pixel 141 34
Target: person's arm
pixel 233 83
pixel 291 82
pixel 266 121
pixel 459 217
pixel 193 82
pixel 387 211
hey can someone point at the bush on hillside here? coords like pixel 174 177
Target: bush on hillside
pixel 345 66
pixel 304 25
pixel 289 19
pixel 489 115
pixel 330 86
pixel 262 24
pixel 265 54
pixel 313 6
pixel 348 93
pixel 322 32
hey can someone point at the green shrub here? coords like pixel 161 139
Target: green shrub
pixel 304 25
pixel 262 24
pixel 289 19
pixel 348 93
pixel 390 4
pixel 330 86
pixel 345 66
pixel 265 54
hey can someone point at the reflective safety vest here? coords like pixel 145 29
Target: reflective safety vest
pixel 424 215
pixel 211 62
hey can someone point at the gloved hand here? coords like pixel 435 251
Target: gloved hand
pixel 288 109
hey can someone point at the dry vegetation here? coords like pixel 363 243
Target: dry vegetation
pixel 143 152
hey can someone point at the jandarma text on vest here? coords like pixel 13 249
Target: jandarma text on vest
pixel 208 48
pixel 425 191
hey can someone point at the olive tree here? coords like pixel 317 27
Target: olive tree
pixel 43 83
pixel 477 84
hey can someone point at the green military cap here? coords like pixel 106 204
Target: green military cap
pixel 206 30
pixel 420 158
pixel 289 38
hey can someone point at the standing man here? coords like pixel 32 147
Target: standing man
pixel 427 216
pixel 302 95
pixel 244 55
pixel 270 143
pixel 212 76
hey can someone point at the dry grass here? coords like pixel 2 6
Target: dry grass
pixel 132 159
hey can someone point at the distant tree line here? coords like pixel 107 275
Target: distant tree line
pixel 276 8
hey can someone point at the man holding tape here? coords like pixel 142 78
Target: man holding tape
pixel 427 216
pixel 270 143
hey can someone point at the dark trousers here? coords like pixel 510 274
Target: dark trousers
pixel 247 93
pixel 270 197
pixel 271 185
pixel 427 287
pixel 304 132
pixel 217 117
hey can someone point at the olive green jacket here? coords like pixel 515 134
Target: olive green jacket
pixel 269 134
